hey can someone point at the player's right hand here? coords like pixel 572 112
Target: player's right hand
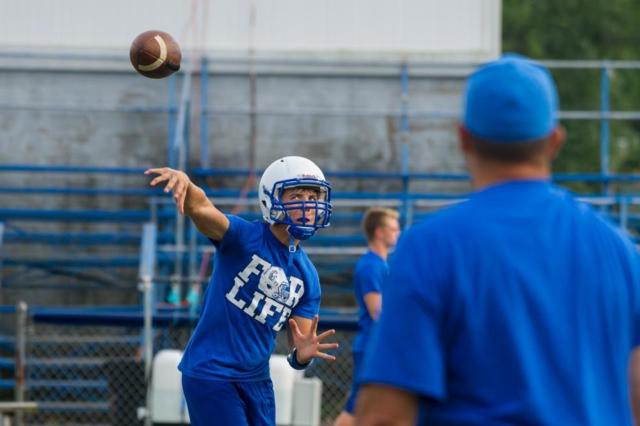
pixel 176 181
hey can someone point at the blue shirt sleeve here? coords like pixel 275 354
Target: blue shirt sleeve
pixel 630 255
pixel 238 237
pixel 406 348
pixel 309 305
pixel 370 279
pixel 634 260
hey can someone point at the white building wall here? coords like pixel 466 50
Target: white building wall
pixel 467 29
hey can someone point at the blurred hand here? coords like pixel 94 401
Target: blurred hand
pixel 176 181
pixel 309 345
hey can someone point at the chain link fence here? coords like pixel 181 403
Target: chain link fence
pixel 84 375
pixel 94 374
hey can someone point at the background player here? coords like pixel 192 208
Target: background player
pixel 518 306
pixel 261 278
pixel 381 228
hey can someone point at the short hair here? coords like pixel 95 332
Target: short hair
pixel 512 152
pixel 374 218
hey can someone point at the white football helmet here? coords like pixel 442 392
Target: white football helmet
pixel 292 172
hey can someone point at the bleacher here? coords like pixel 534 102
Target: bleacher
pixel 75 243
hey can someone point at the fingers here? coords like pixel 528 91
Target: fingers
pixel 183 196
pixel 325 334
pixel 179 203
pixel 175 183
pixel 179 189
pixel 326 346
pixel 157 170
pixel 324 356
pixel 163 172
pixel 180 194
pixel 172 183
pixel 158 179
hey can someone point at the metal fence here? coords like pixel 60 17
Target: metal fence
pixel 86 367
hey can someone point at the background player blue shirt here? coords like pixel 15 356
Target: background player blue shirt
pixel 542 337
pixel 370 272
pixel 254 287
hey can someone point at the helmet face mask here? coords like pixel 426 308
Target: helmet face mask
pixel 282 204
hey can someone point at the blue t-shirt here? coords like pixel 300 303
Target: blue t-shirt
pixel 251 294
pixel 519 306
pixel 370 272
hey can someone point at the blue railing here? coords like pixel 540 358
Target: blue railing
pixel 173 235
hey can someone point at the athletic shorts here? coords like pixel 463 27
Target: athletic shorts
pixel 213 402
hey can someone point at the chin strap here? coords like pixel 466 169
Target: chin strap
pixel 297 232
pixel 292 250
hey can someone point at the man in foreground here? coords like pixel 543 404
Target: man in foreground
pixel 520 305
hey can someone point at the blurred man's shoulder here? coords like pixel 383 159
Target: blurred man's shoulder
pixel 451 215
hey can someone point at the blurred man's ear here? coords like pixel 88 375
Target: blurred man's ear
pixel 556 140
pixel 464 139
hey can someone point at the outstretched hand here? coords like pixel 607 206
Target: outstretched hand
pixel 177 181
pixel 309 345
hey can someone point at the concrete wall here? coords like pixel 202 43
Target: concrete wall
pixel 344 122
pixel 337 142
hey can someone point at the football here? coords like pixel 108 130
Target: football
pixel 155 54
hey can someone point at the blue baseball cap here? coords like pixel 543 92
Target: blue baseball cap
pixel 511 99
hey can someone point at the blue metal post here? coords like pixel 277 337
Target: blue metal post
pixel 604 126
pixel 204 110
pixel 193 295
pixel 1 251
pixel 404 141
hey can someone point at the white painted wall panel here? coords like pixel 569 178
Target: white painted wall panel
pixel 431 28
pixel 85 23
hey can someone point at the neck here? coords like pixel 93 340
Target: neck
pixel 488 174
pixel 379 248
pixel 280 232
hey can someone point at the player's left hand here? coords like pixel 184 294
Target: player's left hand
pixel 309 345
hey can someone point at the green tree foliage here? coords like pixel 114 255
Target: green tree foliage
pixel 584 30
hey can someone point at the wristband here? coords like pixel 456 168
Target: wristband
pixel 292 359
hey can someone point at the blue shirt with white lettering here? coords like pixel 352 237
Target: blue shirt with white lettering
pixel 368 276
pixel 518 306
pixel 252 292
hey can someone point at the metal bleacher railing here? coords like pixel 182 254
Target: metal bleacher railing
pixel 173 232
pixel 79 361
